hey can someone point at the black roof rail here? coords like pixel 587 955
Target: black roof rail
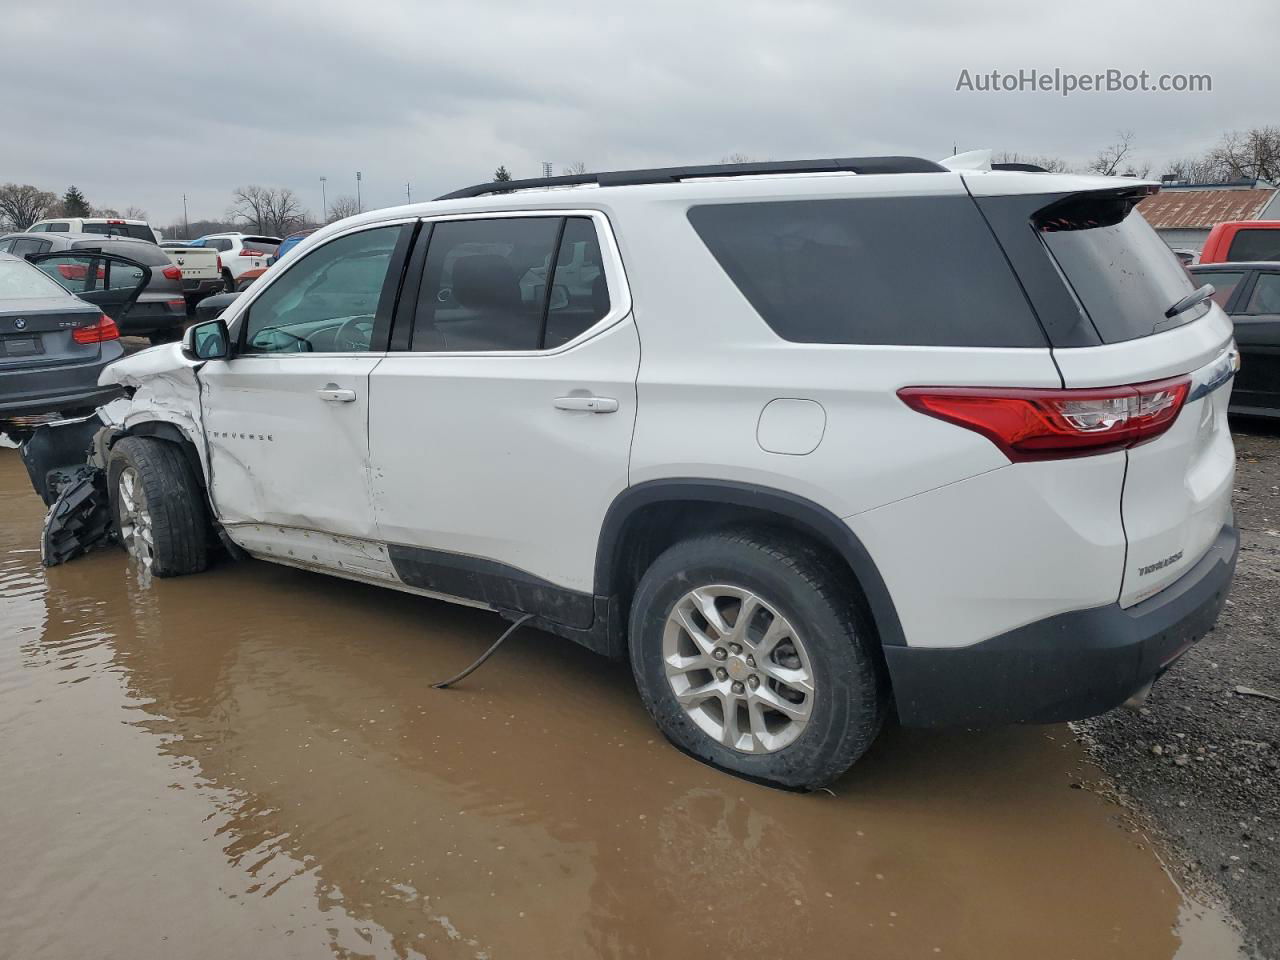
pixel 620 178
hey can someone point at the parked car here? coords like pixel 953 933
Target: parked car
pixel 289 242
pixel 884 444
pixel 244 257
pixel 1186 257
pixel 1237 240
pixel 54 345
pixel 160 311
pixel 102 226
pixel 1250 293
pixel 210 308
pixel 174 244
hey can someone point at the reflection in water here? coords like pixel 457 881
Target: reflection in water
pixel 250 762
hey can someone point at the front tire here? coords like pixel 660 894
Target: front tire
pixel 157 508
pixel 751 655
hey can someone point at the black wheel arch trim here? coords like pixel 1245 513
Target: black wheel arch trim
pixel 830 528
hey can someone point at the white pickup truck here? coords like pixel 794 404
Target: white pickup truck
pixel 201 271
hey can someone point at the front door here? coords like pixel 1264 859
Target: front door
pixel 500 436
pixel 286 418
pixel 1257 323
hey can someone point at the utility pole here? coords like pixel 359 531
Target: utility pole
pixel 407 195
pixel 546 168
pixel 324 201
pixel 359 202
pixel 186 227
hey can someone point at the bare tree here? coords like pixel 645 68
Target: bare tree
pixel 576 168
pixel 736 158
pixel 343 207
pixel 1203 169
pixel 1251 155
pixel 1111 158
pixel 21 205
pixel 135 213
pixel 1052 164
pixel 272 210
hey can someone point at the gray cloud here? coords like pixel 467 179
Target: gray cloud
pixel 140 103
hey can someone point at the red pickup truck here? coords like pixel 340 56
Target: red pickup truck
pixel 1242 240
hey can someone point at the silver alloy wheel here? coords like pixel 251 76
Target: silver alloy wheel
pixel 135 518
pixel 738 668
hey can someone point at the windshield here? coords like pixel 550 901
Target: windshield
pixel 21 281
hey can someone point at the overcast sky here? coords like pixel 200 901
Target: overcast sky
pixel 137 103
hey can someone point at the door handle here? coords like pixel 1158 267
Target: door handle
pixel 589 404
pixel 335 394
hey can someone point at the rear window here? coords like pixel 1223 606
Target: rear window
pixel 266 244
pixel 1123 273
pixel 137 231
pixel 909 271
pixel 21 281
pixel 1255 244
pixel 58 227
pixel 138 252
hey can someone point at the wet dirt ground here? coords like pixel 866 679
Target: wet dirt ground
pixel 249 762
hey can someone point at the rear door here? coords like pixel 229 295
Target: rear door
pixel 108 281
pixel 1257 323
pixel 500 430
pixel 1177 486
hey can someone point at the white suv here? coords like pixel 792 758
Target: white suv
pixel 105 226
pixel 806 442
pixel 244 258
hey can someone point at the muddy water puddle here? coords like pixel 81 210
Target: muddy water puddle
pixel 249 762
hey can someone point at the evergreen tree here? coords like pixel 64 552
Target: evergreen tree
pixel 74 203
pixel 502 173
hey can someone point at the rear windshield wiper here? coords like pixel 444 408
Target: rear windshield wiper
pixel 1194 298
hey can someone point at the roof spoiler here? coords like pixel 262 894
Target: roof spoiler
pixel 981 160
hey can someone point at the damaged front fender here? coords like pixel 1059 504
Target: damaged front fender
pixel 66 460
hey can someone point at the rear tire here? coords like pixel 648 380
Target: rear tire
pixel 795 714
pixel 228 282
pixel 157 507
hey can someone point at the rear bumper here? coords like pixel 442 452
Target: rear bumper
pixel 30 392
pixel 1066 667
pixel 207 285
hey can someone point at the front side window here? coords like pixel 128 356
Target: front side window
pixel 484 285
pixel 1266 294
pixel 328 301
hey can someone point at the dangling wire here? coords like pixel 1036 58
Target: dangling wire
pixel 484 656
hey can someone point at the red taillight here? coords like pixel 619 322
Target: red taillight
pixel 1049 424
pixel 72 271
pixel 104 329
pixel 172 273
pixel 114 222
pixel 246 252
pixel 219 259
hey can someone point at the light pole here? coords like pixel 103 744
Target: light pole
pixel 324 203
pixel 186 227
pixel 408 195
pixel 359 202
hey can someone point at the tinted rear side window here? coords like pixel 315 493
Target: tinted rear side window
pixel 1224 283
pixel 58 227
pixel 914 271
pixel 1255 245
pixel 1123 273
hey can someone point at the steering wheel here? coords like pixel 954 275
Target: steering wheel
pixel 354 335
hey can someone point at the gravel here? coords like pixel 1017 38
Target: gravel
pixel 1202 758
